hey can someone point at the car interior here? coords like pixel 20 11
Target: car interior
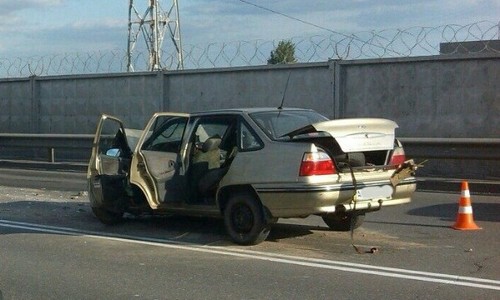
pixel 210 158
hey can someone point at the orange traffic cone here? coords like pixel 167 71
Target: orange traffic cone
pixel 465 220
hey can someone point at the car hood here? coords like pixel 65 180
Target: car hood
pixel 354 135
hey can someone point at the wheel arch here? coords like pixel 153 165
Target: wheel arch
pixel 225 193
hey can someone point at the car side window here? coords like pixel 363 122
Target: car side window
pixel 249 141
pixel 167 135
pixel 213 138
pixel 208 129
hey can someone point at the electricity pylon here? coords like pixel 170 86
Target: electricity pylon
pixel 152 25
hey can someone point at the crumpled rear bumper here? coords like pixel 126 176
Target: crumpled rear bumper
pixel 289 201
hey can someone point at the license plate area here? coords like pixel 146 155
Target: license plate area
pixel 375 192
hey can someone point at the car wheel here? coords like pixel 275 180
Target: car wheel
pixel 107 217
pixel 342 221
pixel 244 220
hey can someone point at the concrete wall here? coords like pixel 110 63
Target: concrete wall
pixel 428 96
pixel 72 104
pixel 437 96
pixel 309 85
pixel 16 112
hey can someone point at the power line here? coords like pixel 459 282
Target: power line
pixel 290 17
pixel 351 37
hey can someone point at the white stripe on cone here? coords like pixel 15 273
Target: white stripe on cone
pixel 465 210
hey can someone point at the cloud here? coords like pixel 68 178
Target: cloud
pixel 218 21
pixel 8 8
pixel 34 28
pixel 55 26
pixel 224 20
pixel 81 37
pixel 77 37
pixel 13 14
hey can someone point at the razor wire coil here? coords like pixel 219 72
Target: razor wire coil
pixel 413 41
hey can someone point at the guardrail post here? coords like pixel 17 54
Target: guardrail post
pixel 52 155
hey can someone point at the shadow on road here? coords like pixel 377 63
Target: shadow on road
pixel 407 224
pixel 447 212
pixel 284 231
pixel 78 215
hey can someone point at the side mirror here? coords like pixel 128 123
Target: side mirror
pixel 115 152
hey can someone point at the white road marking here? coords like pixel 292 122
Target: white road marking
pixel 278 258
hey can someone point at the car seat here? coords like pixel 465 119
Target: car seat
pixel 208 182
pixel 209 153
pixel 206 158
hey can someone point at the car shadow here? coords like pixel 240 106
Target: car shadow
pixel 175 227
pixel 285 231
pixel 212 230
pixel 187 229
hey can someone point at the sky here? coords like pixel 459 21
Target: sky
pixel 39 27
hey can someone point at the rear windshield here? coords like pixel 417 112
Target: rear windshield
pixel 276 124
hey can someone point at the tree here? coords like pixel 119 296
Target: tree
pixel 284 53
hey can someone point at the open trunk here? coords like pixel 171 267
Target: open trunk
pixel 356 143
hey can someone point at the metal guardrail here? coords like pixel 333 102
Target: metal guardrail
pixel 424 148
pixel 50 142
pixel 67 141
pixel 452 148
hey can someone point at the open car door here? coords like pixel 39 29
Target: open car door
pixel 157 162
pixel 109 165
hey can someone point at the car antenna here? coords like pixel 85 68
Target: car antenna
pixel 284 92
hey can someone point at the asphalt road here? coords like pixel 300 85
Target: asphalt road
pixel 52 247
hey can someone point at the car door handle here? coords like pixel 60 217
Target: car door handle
pixel 171 164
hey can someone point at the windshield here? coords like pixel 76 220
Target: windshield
pixel 278 123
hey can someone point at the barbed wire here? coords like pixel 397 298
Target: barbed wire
pixel 413 41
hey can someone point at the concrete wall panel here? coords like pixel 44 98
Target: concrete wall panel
pixel 15 106
pixel 309 86
pixel 73 104
pixel 428 97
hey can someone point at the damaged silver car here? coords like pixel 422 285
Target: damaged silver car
pixel 250 167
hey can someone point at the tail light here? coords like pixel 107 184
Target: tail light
pixel 316 163
pixel 398 156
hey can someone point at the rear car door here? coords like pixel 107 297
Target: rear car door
pixel 157 162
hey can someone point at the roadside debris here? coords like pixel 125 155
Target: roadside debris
pixel 405 170
pixel 79 194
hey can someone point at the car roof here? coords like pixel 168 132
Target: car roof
pixel 247 110
pixel 236 111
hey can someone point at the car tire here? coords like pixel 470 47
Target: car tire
pixel 245 221
pixel 107 217
pixel 342 221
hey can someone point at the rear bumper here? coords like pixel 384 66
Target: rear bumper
pixel 303 200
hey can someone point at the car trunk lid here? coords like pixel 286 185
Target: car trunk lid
pixel 353 135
